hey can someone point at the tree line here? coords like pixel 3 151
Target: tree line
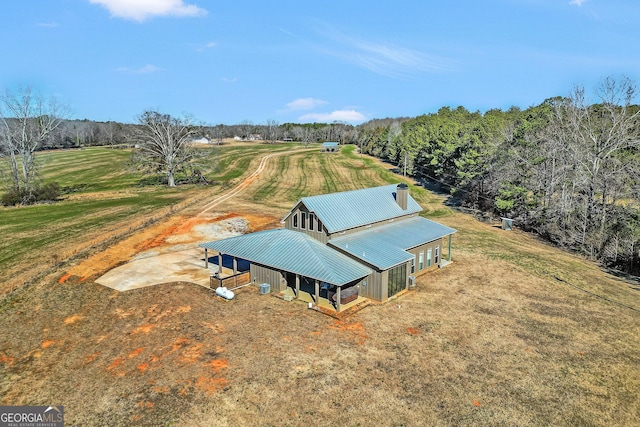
pixel 567 169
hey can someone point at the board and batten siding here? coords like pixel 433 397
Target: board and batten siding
pixel 262 274
pixel 317 232
pixel 425 251
pixel 373 288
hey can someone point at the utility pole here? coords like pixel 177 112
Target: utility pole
pixel 405 165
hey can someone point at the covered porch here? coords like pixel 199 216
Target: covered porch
pixel 322 302
pixel 322 294
pixel 292 262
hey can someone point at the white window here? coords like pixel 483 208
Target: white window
pixel 429 257
pixel 312 218
pixel 437 255
pixel 303 224
pixel 413 265
pixel 421 261
pixel 295 220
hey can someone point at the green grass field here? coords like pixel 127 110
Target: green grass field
pixel 102 191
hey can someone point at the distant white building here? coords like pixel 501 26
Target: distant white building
pixel 201 140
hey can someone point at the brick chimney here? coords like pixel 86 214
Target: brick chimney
pixel 402 194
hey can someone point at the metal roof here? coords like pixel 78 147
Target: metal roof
pixel 329 144
pixel 294 252
pixel 350 209
pixel 386 246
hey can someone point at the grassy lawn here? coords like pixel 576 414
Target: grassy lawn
pixel 90 170
pixel 514 332
pixel 102 193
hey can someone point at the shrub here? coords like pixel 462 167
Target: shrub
pixel 45 193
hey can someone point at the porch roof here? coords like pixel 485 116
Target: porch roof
pixel 294 252
pixel 386 246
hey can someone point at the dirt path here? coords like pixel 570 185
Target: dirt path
pixel 178 233
pixel 238 188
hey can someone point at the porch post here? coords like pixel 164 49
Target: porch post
pixel 297 285
pixel 317 292
pixel 338 299
pixel 450 236
pixel 206 259
pixel 220 265
pixel 235 265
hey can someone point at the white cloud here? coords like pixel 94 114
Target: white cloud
pixel 229 79
pixel 383 58
pixel 147 69
pixel 48 24
pixel 202 48
pixel 305 104
pixel 350 116
pixel 577 2
pixel 140 10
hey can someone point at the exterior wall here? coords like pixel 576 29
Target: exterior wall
pixel 384 285
pixel 369 226
pixel 289 223
pixel 406 286
pixel 373 288
pixel 261 274
pixel 425 251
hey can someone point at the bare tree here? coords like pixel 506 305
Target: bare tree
pixel 164 142
pixel 245 128
pixel 218 133
pixel 113 132
pixel 272 130
pixel 595 135
pixel 28 119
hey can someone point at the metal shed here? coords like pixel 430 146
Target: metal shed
pixel 329 147
pixel 507 224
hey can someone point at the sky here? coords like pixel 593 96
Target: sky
pixel 231 62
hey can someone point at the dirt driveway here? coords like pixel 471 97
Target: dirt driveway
pixel 169 252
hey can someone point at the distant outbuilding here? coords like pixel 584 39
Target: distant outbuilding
pixel 330 147
pixel 507 224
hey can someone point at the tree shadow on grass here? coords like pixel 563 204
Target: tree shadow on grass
pixel 621 276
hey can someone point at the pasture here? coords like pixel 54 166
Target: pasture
pixel 514 332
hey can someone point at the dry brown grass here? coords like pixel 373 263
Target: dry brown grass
pixel 494 339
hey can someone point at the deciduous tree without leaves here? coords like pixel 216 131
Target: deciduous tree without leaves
pixel 163 143
pixel 28 119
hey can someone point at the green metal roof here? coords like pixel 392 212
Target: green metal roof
pixel 351 209
pixel 294 252
pixel 386 246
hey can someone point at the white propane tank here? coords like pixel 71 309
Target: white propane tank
pixel 224 292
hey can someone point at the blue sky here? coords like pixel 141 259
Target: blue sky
pixel 302 61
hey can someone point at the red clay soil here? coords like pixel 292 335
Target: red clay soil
pixel 157 237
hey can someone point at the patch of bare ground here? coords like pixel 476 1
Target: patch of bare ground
pixel 177 232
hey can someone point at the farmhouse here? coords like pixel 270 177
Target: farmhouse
pixel 337 249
